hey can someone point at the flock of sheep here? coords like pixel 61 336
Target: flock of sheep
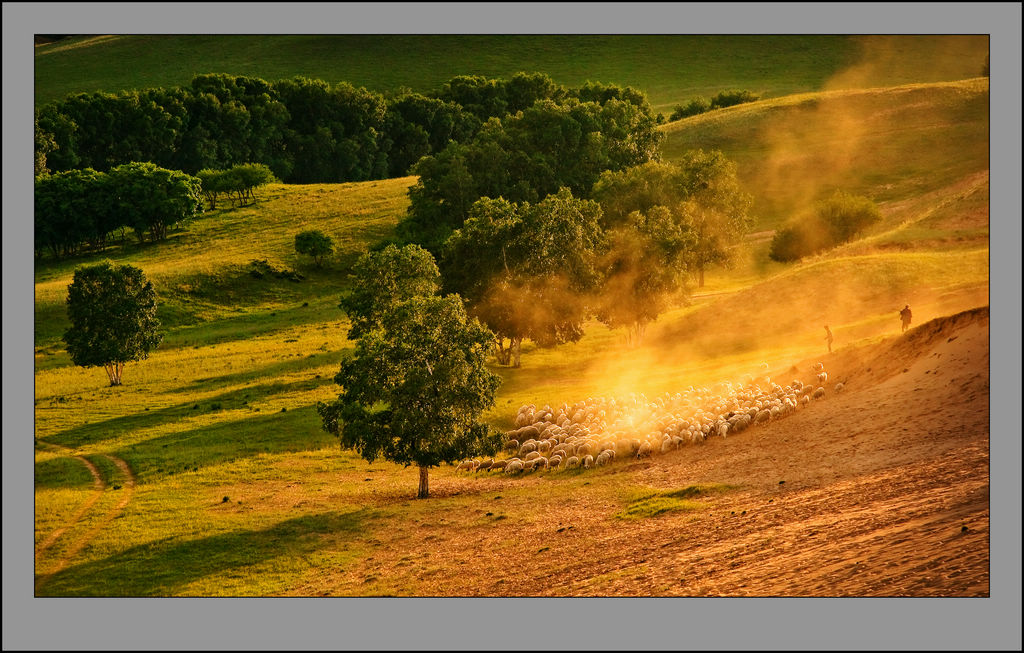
pixel 597 431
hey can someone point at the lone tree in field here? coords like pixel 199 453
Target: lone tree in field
pixel 314 243
pixel 416 386
pixel 113 318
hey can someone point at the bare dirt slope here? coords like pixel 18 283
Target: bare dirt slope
pixel 880 490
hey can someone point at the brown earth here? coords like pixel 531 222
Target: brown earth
pixel 879 490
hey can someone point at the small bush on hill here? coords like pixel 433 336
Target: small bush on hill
pixel 835 220
pixel 694 107
pixel 314 243
pixel 732 98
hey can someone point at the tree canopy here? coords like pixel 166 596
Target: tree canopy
pixel 112 310
pixel 384 278
pixel 527 271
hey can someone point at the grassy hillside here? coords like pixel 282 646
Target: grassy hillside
pixel 887 143
pixel 234 489
pixel 669 68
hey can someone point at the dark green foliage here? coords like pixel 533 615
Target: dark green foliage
pixel 528 156
pixel 314 243
pixel 526 270
pixel 44 144
pixel 385 278
pixel 694 107
pixel 307 131
pixel 80 207
pixel 112 311
pixel 835 220
pixel 732 98
pixel 72 209
pixel 417 383
pixel 154 199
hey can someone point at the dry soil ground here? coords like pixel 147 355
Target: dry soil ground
pixel 880 490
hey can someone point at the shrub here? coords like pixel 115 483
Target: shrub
pixel 835 220
pixel 314 243
pixel 695 106
pixel 732 98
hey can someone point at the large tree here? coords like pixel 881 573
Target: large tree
pixel 644 270
pixel 416 386
pixel 527 270
pixel 701 190
pixel 112 310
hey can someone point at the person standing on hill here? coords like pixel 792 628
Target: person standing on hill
pixel 828 337
pixel 905 317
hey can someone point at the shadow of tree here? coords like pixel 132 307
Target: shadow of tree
pixel 110 429
pixel 163 567
pixel 296 430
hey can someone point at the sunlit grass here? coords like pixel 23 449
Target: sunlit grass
pixel 241 492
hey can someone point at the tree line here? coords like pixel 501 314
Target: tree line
pixel 81 208
pixel 304 130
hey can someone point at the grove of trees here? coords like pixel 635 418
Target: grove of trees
pixel 112 311
pixel 538 271
pixel 304 130
pixel 83 207
pixel 414 390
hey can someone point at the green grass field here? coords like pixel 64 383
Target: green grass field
pixel 671 69
pixel 238 491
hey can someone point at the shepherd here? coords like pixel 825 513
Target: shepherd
pixel 905 317
pixel 828 337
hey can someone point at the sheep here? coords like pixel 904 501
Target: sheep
pixel 572 463
pixel 484 466
pixel 512 445
pixel 527 448
pixel 805 400
pixel 532 455
pixel 588 461
pixel 514 467
pixel 762 416
pixel 839 387
pixel 468 465
pixel 498 465
pixel 822 377
pixel 819 393
pixel 644 450
pixel 528 465
pixel 540 463
pixel 818 367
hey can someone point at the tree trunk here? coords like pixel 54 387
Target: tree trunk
pixel 424 490
pixel 700 283
pixel 516 351
pixel 501 353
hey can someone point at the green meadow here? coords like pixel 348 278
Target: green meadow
pixel 671 69
pixel 235 489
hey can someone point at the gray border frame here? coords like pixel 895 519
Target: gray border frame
pixel 258 624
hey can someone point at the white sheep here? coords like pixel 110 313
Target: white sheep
pixel 839 387
pixel 819 393
pixel 514 467
pixel 822 377
pixel 588 461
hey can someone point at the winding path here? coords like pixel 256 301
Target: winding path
pixel 99 487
